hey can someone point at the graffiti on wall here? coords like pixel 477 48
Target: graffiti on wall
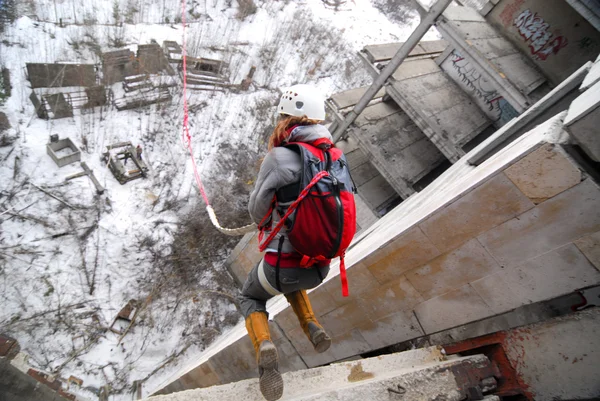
pixel 536 32
pixel 485 94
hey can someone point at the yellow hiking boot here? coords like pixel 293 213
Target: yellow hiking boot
pixel 271 383
pixel 313 330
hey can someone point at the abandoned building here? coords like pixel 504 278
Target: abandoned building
pixel 147 76
pixel 58 89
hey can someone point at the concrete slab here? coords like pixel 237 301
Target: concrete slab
pixel 415 68
pixel 384 52
pixel 345 318
pixel 351 97
pixel 418 374
pixel 442 106
pixel 377 192
pixel 489 205
pixel 453 270
pixel 519 72
pixel 392 329
pixel 396 146
pixel 433 46
pixel 437 137
pixel 376 112
pixel 396 296
pixel 521 316
pixel 435 102
pixel 547 276
pixel 551 224
pixel 544 173
pixel 433 83
pixel 365 216
pixel 459 13
pixel 452 309
pixel 583 105
pixel 410 250
pixel 461 123
pixel 363 173
pixel 496 293
pixel 590 246
pixel 343 346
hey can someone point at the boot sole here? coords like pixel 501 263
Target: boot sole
pixel 271 383
pixel 322 342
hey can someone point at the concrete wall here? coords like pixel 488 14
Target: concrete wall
pixel 485 93
pixel 66 143
pixel 479 241
pixel 550 32
pixel 515 75
pixel 58 105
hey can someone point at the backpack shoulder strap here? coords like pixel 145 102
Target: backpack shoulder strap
pixel 303 146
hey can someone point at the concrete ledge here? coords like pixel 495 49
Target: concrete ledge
pixel 582 121
pixel 419 374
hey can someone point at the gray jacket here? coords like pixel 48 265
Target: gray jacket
pixel 280 167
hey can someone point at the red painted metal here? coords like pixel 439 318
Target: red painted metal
pixel 510 384
pixel 44 379
pixel 9 347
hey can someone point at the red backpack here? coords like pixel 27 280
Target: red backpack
pixel 321 218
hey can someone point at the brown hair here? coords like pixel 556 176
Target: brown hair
pixel 280 133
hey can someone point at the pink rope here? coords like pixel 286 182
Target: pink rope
pixel 187 138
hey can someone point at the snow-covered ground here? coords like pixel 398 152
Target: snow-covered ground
pixel 68 266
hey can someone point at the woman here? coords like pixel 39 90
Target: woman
pixel 300 109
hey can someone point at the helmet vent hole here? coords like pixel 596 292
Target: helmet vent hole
pixel 299 105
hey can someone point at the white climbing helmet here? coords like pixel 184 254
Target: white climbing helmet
pixel 300 100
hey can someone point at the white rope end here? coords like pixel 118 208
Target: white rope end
pixel 227 231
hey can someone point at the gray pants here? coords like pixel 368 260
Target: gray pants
pixel 254 294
